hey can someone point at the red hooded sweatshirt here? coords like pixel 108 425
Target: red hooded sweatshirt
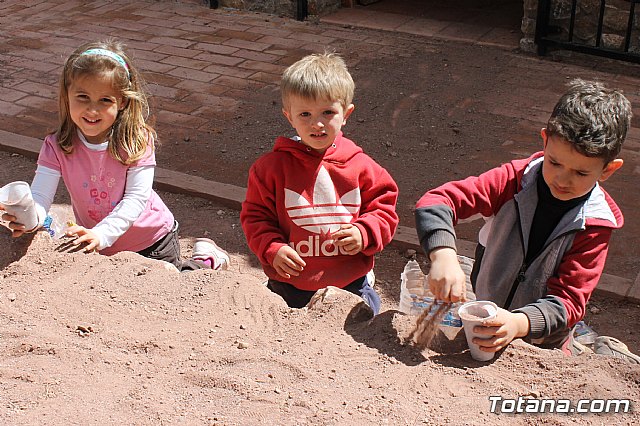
pixel 297 196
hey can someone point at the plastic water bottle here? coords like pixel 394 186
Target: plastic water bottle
pixel 55 223
pixel 53 227
pixel 415 295
pixel 412 289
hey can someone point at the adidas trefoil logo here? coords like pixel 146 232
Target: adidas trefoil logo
pixel 324 216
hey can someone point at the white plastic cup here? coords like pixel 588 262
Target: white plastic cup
pixel 17 199
pixel 472 314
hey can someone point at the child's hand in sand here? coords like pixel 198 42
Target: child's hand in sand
pixel 498 332
pixel 85 236
pixel 288 262
pixel 349 238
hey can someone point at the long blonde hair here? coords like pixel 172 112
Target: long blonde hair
pixel 130 133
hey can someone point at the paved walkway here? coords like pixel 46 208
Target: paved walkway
pixel 203 62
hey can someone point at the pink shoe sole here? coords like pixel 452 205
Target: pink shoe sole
pixel 206 248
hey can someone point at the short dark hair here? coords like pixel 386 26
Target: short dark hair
pixel 594 119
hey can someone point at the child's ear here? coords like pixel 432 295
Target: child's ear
pixel 347 113
pixel 123 104
pixel 610 169
pixel 287 116
pixel 545 136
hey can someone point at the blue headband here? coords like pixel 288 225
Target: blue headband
pixel 109 54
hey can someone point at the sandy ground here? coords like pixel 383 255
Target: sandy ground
pixel 90 340
pixel 87 339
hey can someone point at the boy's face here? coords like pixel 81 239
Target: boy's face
pixel 568 173
pixel 317 122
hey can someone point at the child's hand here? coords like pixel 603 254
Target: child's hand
pixel 501 330
pixel 447 280
pixel 288 262
pixel 349 238
pixel 86 236
pixel 17 229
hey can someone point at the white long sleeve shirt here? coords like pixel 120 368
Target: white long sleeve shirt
pixel 137 192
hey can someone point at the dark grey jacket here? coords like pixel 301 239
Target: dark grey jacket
pixel 554 288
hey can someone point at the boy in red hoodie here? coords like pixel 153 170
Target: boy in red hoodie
pixel 317 208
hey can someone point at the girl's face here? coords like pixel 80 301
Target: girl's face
pixel 94 105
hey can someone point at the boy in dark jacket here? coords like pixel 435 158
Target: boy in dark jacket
pixel 548 223
pixel 317 207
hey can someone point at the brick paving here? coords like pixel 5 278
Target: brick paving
pixel 200 62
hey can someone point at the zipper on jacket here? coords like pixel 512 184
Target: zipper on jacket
pixel 523 269
pixel 519 279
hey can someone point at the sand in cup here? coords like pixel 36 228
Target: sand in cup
pixel 17 200
pixel 472 314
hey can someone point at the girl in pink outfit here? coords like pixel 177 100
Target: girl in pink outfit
pixel 104 151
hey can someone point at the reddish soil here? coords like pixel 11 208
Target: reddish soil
pixel 86 339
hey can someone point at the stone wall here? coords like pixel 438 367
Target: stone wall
pixel 282 7
pixel 286 8
pixel 616 18
pixel 528 26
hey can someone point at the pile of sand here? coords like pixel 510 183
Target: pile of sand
pixel 87 339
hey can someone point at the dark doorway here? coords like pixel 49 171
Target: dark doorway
pixel 493 13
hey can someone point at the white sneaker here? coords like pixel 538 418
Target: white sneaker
pixel 205 248
pixel 371 278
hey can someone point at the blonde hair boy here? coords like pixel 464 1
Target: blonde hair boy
pixel 318 208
